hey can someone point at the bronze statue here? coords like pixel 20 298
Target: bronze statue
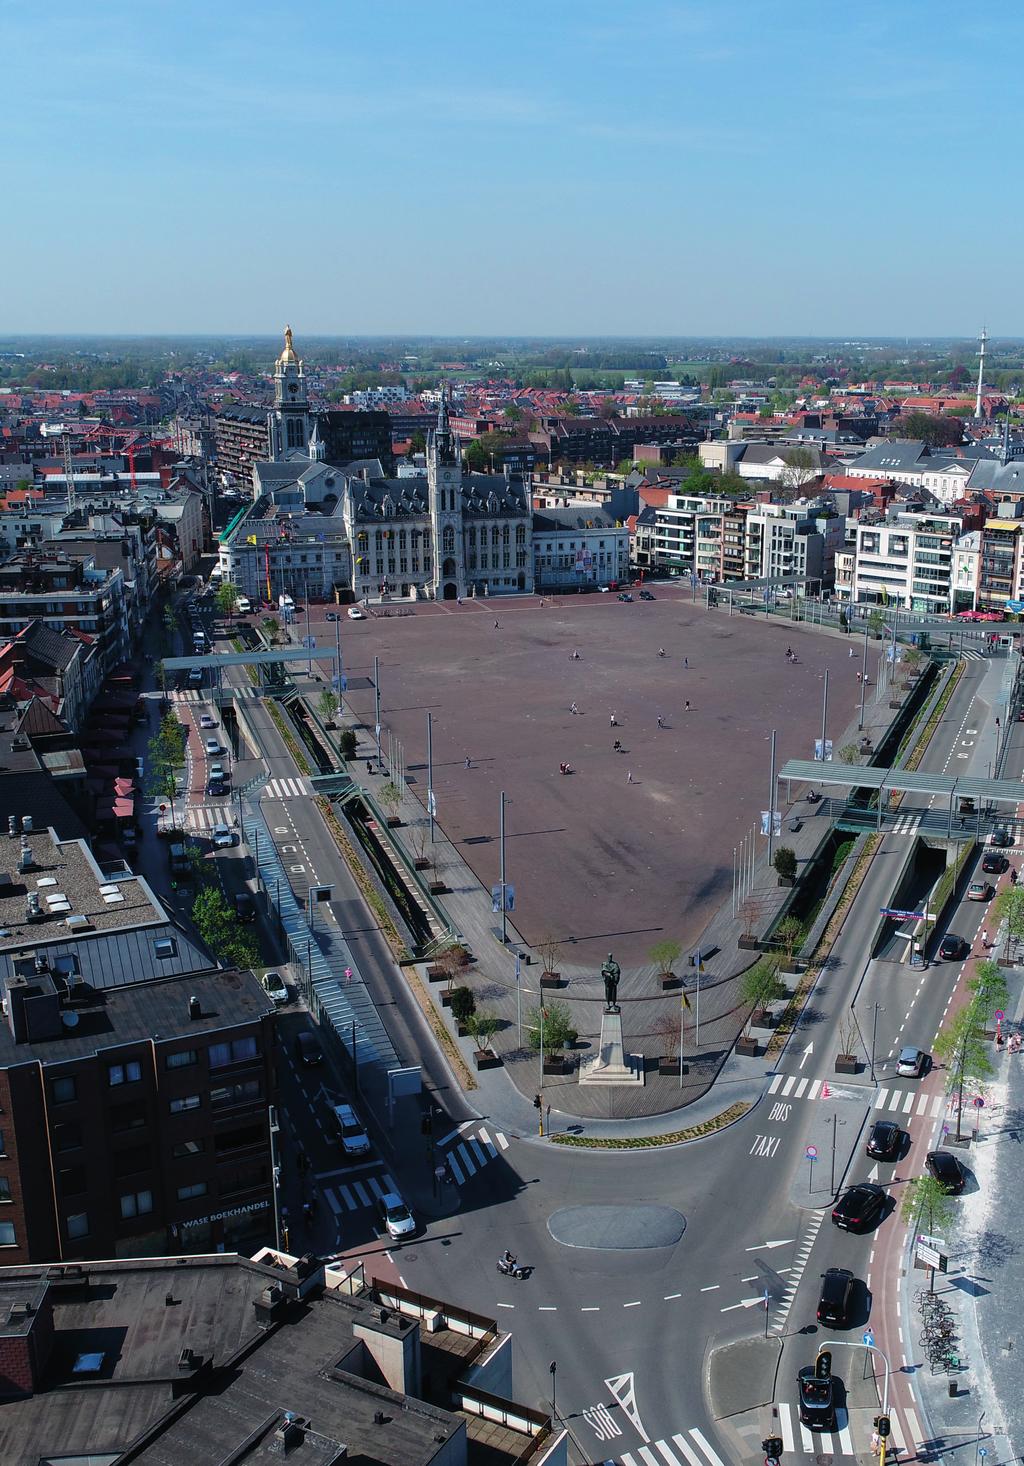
pixel 611 972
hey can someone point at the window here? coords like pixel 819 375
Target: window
pixel 77 1225
pixel 181 1059
pixel 73 1181
pixel 188 1193
pixel 235 1094
pixel 62 1091
pixel 68 1136
pixel 128 1117
pixel 448 540
pixel 129 1162
pixel 7 1235
pixel 136 1204
pixel 128 1073
pixel 236 1052
pixel 165 947
pixel 246 1178
pixel 189 1147
pixel 3 1146
pixel 239 1139
pixel 5 1189
pixel 185 1102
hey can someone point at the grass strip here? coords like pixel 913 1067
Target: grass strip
pixel 651 1142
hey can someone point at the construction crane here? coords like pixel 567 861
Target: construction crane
pixel 69 477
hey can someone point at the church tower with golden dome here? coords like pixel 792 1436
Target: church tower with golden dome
pixel 289 419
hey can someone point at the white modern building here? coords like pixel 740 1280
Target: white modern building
pixel 907 561
pixel 580 545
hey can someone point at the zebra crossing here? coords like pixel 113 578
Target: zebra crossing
pixel 206 816
pixel 836 1443
pixel 901 1102
pixel 352 1195
pixel 905 824
pixel 296 788
pixel 472 1153
pixel 691 1449
pixel 197 694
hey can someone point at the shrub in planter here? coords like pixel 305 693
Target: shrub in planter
pixel 664 954
pixel 347 743
pixel 785 863
pixel 462 1005
pixel 748 1047
pixel 557 1027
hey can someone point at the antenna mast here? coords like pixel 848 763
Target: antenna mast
pixel 69 478
pixel 981 375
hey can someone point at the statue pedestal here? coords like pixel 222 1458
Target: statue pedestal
pixel 611 1065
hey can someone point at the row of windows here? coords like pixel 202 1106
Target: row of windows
pixel 64 1090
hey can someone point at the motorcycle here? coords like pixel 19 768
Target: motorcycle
pixel 510 1269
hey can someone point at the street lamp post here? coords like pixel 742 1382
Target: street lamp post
pixel 376 707
pixel 771 801
pixel 874 1032
pixel 519 998
pixel 501 856
pixel 275 1173
pixel 430 775
pixel 863 680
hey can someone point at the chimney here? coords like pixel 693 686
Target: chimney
pixel 12 826
pixel 33 1009
pixel 26 823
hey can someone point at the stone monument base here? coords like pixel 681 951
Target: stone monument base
pixel 611 1065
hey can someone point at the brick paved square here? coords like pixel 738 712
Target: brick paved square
pixel 633 846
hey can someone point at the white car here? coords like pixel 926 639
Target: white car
pixel 395 1216
pixel 207 720
pixel 212 746
pixel 223 838
pixel 276 988
pixel 350 1130
pixel 355 614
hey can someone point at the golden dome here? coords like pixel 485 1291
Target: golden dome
pixel 288 354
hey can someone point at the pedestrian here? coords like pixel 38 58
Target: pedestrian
pixel 851 653
pixel 458 600
pixel 469 764
pixel 686 661
pixel 611 721
pixel 1014 878
pixel 686 705
pixel 629 776
pixel 573 708
pixel 661 721
pixel 984 939
pixel 495 625
pixel 369 766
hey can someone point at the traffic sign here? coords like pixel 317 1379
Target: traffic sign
pixel 869 1338
pixel 979 1103
pixel 811 1152
pixel 999 1015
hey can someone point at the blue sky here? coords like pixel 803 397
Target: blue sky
pixel 715 167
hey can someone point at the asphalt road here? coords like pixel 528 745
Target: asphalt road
pixel 629 1328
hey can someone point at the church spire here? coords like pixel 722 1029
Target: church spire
pixel 442 410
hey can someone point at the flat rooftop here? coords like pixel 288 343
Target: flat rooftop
pixel 67 883
pixel 149 1010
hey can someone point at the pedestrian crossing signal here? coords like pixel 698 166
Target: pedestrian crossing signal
pixel 883 1426
pixel 772 1447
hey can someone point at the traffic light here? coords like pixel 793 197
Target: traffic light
pixel 536 1102
pixel 772 1447
pixel 883 1426
pixel 823 1365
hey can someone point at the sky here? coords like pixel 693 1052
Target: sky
pixel 678 167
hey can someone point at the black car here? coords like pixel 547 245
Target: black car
pixel 952 947
pixel 885 1141
pixel 859 1207
pixel 836 1293
pixel 645 595
pixel 245 906
pixel 624 595
pixel 1001 837
pixel 307 1050
pixel 994 862
pixel 817 1400
pixel 946 1169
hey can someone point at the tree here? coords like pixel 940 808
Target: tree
pixel 462 1005
pixel 513 413
pixel 327 704
pixel 664 954
pixel 417 443
pixel 164 756
pixel 761 984
pixel 483 1027
pixel 961 1045
pixel 844 624
pixel 477 457
pixel 272 627
pixel 549 949
pixel 226 598
pixel 348 743
pixel 667 1028
pixel 391 797
pixel 849 753
pixel 788 933
pixel 785 862
pixel 876 623
pixel 170 626
pixel 933 431
pixel 926 1205
pixel 1008 907
pixel 218 927
pixel 558 1028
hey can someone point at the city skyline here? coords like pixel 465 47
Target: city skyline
pixel 693 170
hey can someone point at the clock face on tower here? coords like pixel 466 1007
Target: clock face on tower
pixel 293 386
pixel 446 476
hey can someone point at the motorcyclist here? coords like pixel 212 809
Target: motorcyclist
pixel 508 1261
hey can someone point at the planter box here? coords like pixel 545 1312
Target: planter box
pixel 462 1029
pixel 749 944
pixel 668 980
pixel 437 888
pixel 558 1066
pixel 763 1018
pixel 436 974
pixel 748 1048
pixel 785 880
pixel 421 863
pixel 671 1066
pixel 446 1000
pixel 847 1064
pixel 551 979
pixel 394 821
pixel 964 1140
pixel 485 1059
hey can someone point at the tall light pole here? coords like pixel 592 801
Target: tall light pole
pixel 824 715
pixel 863 680
pixel 771 801
pixel 275 1173
pixel 501 856
pixel 376 707
pixel 519 998
pixel 877 1008
pixel 430 775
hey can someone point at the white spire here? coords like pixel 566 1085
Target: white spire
pixel 981 373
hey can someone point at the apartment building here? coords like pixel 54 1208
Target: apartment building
pixel 1000 564
pixel 784 540
pixel 907 560
pixel 67 593
pixel 579 546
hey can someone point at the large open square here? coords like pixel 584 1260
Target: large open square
pixel 635 845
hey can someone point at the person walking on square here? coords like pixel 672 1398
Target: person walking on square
pixel 629 776
pixel 611 721
pixel 686 705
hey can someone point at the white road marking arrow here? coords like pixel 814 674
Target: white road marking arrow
pixel 807 1053
pixel 624 1390
pixel 873 1173
pixel 783 1243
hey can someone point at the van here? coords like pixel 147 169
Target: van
pixel 350 1130
pixel 243 605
